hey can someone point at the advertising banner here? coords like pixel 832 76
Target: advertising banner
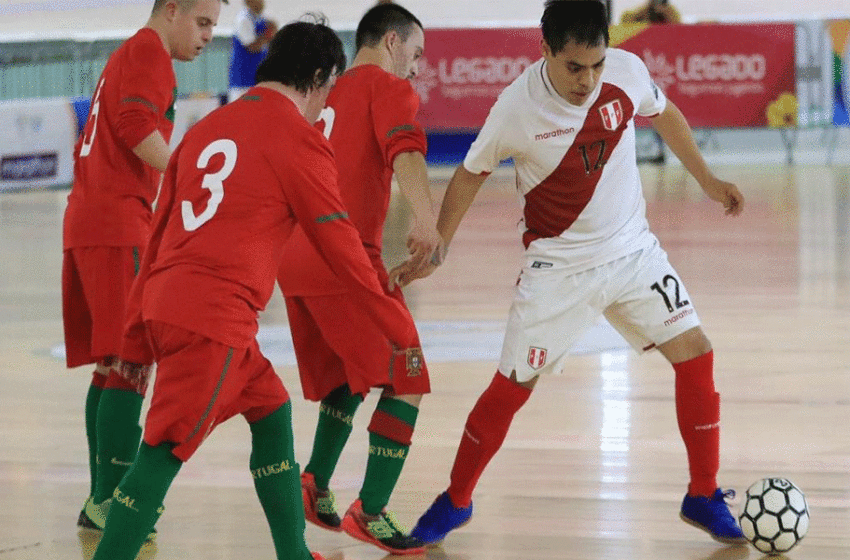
pixel 36 143
pixel 720 75
pixel 840 33
pixel 464 70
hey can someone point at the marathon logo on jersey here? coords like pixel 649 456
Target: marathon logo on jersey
pixel 536 357
pixel 612 115
pixel 554 133
pixel 29 166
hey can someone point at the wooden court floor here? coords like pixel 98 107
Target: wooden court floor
pixel 593 468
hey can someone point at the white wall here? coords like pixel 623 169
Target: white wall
pixel 46 18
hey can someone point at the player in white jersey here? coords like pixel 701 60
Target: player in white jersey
pixel 568 124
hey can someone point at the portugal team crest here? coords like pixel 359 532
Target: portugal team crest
pixel 536 357
pixel 612 115
pixel 414 361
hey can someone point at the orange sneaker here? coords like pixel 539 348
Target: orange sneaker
pixel 319 505
pixel 381 530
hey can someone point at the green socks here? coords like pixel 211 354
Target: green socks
pixel 137 503
pixel 277 481
pixel 118 436
pixel 335 416
pixel 92 402
pixel 389 441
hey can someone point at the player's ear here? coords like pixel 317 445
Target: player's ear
pixel 317 79
pixel 170 9
pixel 545 49
pixel 390 39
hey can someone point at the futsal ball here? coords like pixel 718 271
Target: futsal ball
pixel 775 515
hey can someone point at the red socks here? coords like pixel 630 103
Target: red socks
pixel 483 435
pixel 698 413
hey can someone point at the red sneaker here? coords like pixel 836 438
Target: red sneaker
pixel 381 530
pixel 319 505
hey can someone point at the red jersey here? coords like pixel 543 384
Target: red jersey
pixel 232 193
pixel 370 118
pixel 110 201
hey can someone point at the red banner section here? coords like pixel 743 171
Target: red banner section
pixel 718 75
pixel 722 75
pixel 464 70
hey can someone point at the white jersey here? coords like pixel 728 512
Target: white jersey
pixel 576 167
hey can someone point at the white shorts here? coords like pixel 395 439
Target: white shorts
pixel 640 294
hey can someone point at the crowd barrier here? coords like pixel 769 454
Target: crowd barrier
pixel 782 76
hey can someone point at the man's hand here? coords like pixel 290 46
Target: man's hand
pixel 405 273
pixel 726 194
pixel 423 243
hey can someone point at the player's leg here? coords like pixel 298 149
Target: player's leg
pixel 96 386
pixel 265 404
pixel 653 309
pixel 108 273
pixel 76 320
pixel 390 434
pixel 93 279
pixel 370 361
pixel 138 502
pixel 323 378
pixel 548 313
pixel 698 415
pixel 333 429
pixel 277 483
pixel 118 433
pixel 485 430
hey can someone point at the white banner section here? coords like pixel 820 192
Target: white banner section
pixel 36 143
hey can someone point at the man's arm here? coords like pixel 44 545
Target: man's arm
pixel 411 173
pixel 459 196
pixel 676 133
pixel 460 193
pixel 153 150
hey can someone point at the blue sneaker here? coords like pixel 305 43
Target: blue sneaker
pixel 440 519
pixel 712 515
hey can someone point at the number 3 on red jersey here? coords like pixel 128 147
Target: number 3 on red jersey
pixel 213 182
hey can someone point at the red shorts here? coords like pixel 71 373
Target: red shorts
pixel 201 383
pixel 336 344
pixel 95 285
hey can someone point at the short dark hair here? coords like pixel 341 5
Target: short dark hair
pixel 183 4
pixel 303 55
pixel 584 22
pixel 380 20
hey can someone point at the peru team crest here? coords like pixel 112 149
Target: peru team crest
pixel 612 115
pixel 536 357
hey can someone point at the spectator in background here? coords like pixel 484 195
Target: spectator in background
pixel 654 11
pixel 251 37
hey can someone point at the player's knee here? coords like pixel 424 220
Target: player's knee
pixel 691 344
pixel 394 420
pixel 412 400
pixel 104 365
pixel 528 384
